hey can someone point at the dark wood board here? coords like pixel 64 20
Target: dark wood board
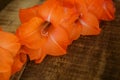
pixel 88 58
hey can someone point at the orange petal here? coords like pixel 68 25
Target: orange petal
pixel 35 54
pixel 53 48
pixel 76 31
pixel 109 10
pixel 26 14
pixel 9 42
pixel 90 25
pixel 41 58
pixel 46 9
pixel 6 62
pixel 19 60
pixel 67 3
pixel 81 7
pixel 60 36
pixel 5 75
pixel 57 42
pixel 30 33
pixel 64 17
pixel 94 6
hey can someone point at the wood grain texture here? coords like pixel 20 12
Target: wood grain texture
pixel 88 58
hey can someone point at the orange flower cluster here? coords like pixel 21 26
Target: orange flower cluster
pixel 48 29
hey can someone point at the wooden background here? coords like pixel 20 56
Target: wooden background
pixel 88 58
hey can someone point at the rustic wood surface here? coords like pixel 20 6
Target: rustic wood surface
pixel 88 58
